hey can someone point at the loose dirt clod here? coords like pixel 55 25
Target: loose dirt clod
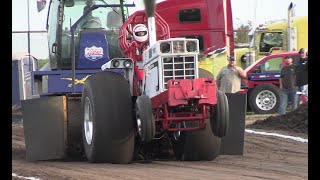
pixel 294 121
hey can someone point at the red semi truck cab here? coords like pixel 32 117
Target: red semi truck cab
pixel 263 82
pixel 201 19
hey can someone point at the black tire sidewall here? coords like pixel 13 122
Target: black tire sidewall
pixel 224 110
pixel 143 103
pixel 216 121
pixel 88 147
pixel 113 126
pixel 220 121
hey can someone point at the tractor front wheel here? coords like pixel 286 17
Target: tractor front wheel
pixel 220 119
pixel 145 118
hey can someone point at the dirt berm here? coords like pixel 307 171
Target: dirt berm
pixel 295 121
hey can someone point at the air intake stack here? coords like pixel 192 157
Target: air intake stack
pixel 150 10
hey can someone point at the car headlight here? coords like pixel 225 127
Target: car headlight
pixel 115 63
pixel 127 64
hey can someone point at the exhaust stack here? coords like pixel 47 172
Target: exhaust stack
pixel 291 31
pixel 150 10
pixel 289 17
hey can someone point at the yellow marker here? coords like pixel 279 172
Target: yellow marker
pixel 76 81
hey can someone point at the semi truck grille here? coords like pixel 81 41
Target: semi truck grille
pixel 178 68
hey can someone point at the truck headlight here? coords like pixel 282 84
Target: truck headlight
pixel 127 64
pixel 115 63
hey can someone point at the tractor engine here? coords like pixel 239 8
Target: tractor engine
pixel 176 58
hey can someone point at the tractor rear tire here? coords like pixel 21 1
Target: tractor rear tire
pixel 264 99
pixel 220 119
pixel 108 126
pixel 146 125
pixel 197 145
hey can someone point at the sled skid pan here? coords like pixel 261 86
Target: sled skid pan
pixel 233 142
pixel 51 127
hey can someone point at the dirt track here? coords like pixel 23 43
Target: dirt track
pixel 264 157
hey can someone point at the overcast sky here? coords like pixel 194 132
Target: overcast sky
pixel 243 11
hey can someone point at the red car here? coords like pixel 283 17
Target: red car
pixel 263 82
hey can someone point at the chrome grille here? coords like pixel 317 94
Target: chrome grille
pixel 178 68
